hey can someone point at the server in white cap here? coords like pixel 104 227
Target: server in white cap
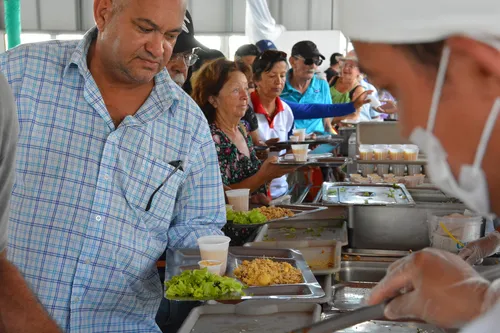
pixel 441 60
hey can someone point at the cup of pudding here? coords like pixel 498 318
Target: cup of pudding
pixel 366 152
pixel 411 152
pixel 381 152
pixel 212 266
pixel 301 133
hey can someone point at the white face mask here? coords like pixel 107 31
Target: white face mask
pixel 472 186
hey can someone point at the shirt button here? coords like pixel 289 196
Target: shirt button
pixel 106 177
pixel 98 218
pixel 87 261
pixel 76 299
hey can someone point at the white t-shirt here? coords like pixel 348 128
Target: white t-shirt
pixel 281 125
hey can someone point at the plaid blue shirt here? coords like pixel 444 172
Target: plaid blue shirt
pixel 79 230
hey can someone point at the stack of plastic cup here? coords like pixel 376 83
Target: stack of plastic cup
pixel 239 199
pixel 382 169
pixel 414 170
pixel 399 170
pixel 366 169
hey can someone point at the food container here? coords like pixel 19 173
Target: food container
pixel 414 170
pixel 215 248
pixel 381 152
pixel 382 169
pixel 398 170
pixel 294 138
pixel 213 266
pixel 239 199
pixel 463 228
pixel 366 169
pixel 301 133
pixel 412 181
pixel 421 178
pixel 411 152
pixel 300 152
pixel 262 152
pixel 396 152
pixel 366 152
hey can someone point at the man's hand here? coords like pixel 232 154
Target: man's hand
pixel 435 286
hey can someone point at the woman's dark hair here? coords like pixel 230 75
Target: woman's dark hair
pixel 210 80
pixel 266 61
pixel 334 58
pixel 425 53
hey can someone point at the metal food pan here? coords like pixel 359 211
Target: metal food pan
pixel 305 230
pixel 365 194
pixel 183 259
pixel 323 257
pixel 251 316
pixel 299 211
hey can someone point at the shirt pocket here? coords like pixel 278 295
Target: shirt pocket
pixel 144 182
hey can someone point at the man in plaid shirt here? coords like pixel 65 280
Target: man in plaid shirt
pixel 114 164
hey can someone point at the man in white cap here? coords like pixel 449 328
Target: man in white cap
pixel 442 63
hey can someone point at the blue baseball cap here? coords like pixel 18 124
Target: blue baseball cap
pixel 265 45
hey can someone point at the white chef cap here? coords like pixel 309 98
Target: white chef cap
pixel 418 21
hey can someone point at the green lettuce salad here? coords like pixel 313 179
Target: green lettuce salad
pixel 252 217
pixel 201 284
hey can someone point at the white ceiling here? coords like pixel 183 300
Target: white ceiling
pixel 210 16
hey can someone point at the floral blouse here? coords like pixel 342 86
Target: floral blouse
pixel 235 166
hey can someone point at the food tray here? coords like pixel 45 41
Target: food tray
pixel 187 259
pixel 288 162
pixel 365 194
pixel 251 316
pixel 320 141
pixel 320 230
pixel 299 211
pixel 323 257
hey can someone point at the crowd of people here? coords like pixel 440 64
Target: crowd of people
pixel 125 141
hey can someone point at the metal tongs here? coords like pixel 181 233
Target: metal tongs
pixel 367 313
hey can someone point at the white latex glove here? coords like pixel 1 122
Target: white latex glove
pixel 440 288
pixel 474 252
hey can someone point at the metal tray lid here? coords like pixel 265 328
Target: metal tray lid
pixel 366 194
pixel 251 316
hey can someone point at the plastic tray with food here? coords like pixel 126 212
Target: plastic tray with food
pixel 365 194
pixel 318 141
pixel 304 230
pixel 251 316
pixel 323 257
pixel 266 273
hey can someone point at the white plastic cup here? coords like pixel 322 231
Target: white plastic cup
pixel 301 133
pixel 215 248
pixel 382 169
pixel 294 138
pixel 411 152
pixel 465 229
pixel 414 170
pixel 239 199
pixel 300 152
pixel 374 102
pixel 398 170
pixel 396 152
pixel 366 169
pixel 412 181
pixel 213 266
pixel 366 152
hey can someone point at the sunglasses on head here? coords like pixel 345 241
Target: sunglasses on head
pixel 310 61
pixel 272 55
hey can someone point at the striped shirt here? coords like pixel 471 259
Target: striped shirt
pixel 80 232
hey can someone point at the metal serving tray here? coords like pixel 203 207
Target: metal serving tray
pixel 187 259
pixel 251 316
pixel 365 194
pixel 323 257
pixel 305 230
pixel 299 211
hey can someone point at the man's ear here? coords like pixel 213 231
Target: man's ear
pixel 103 10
